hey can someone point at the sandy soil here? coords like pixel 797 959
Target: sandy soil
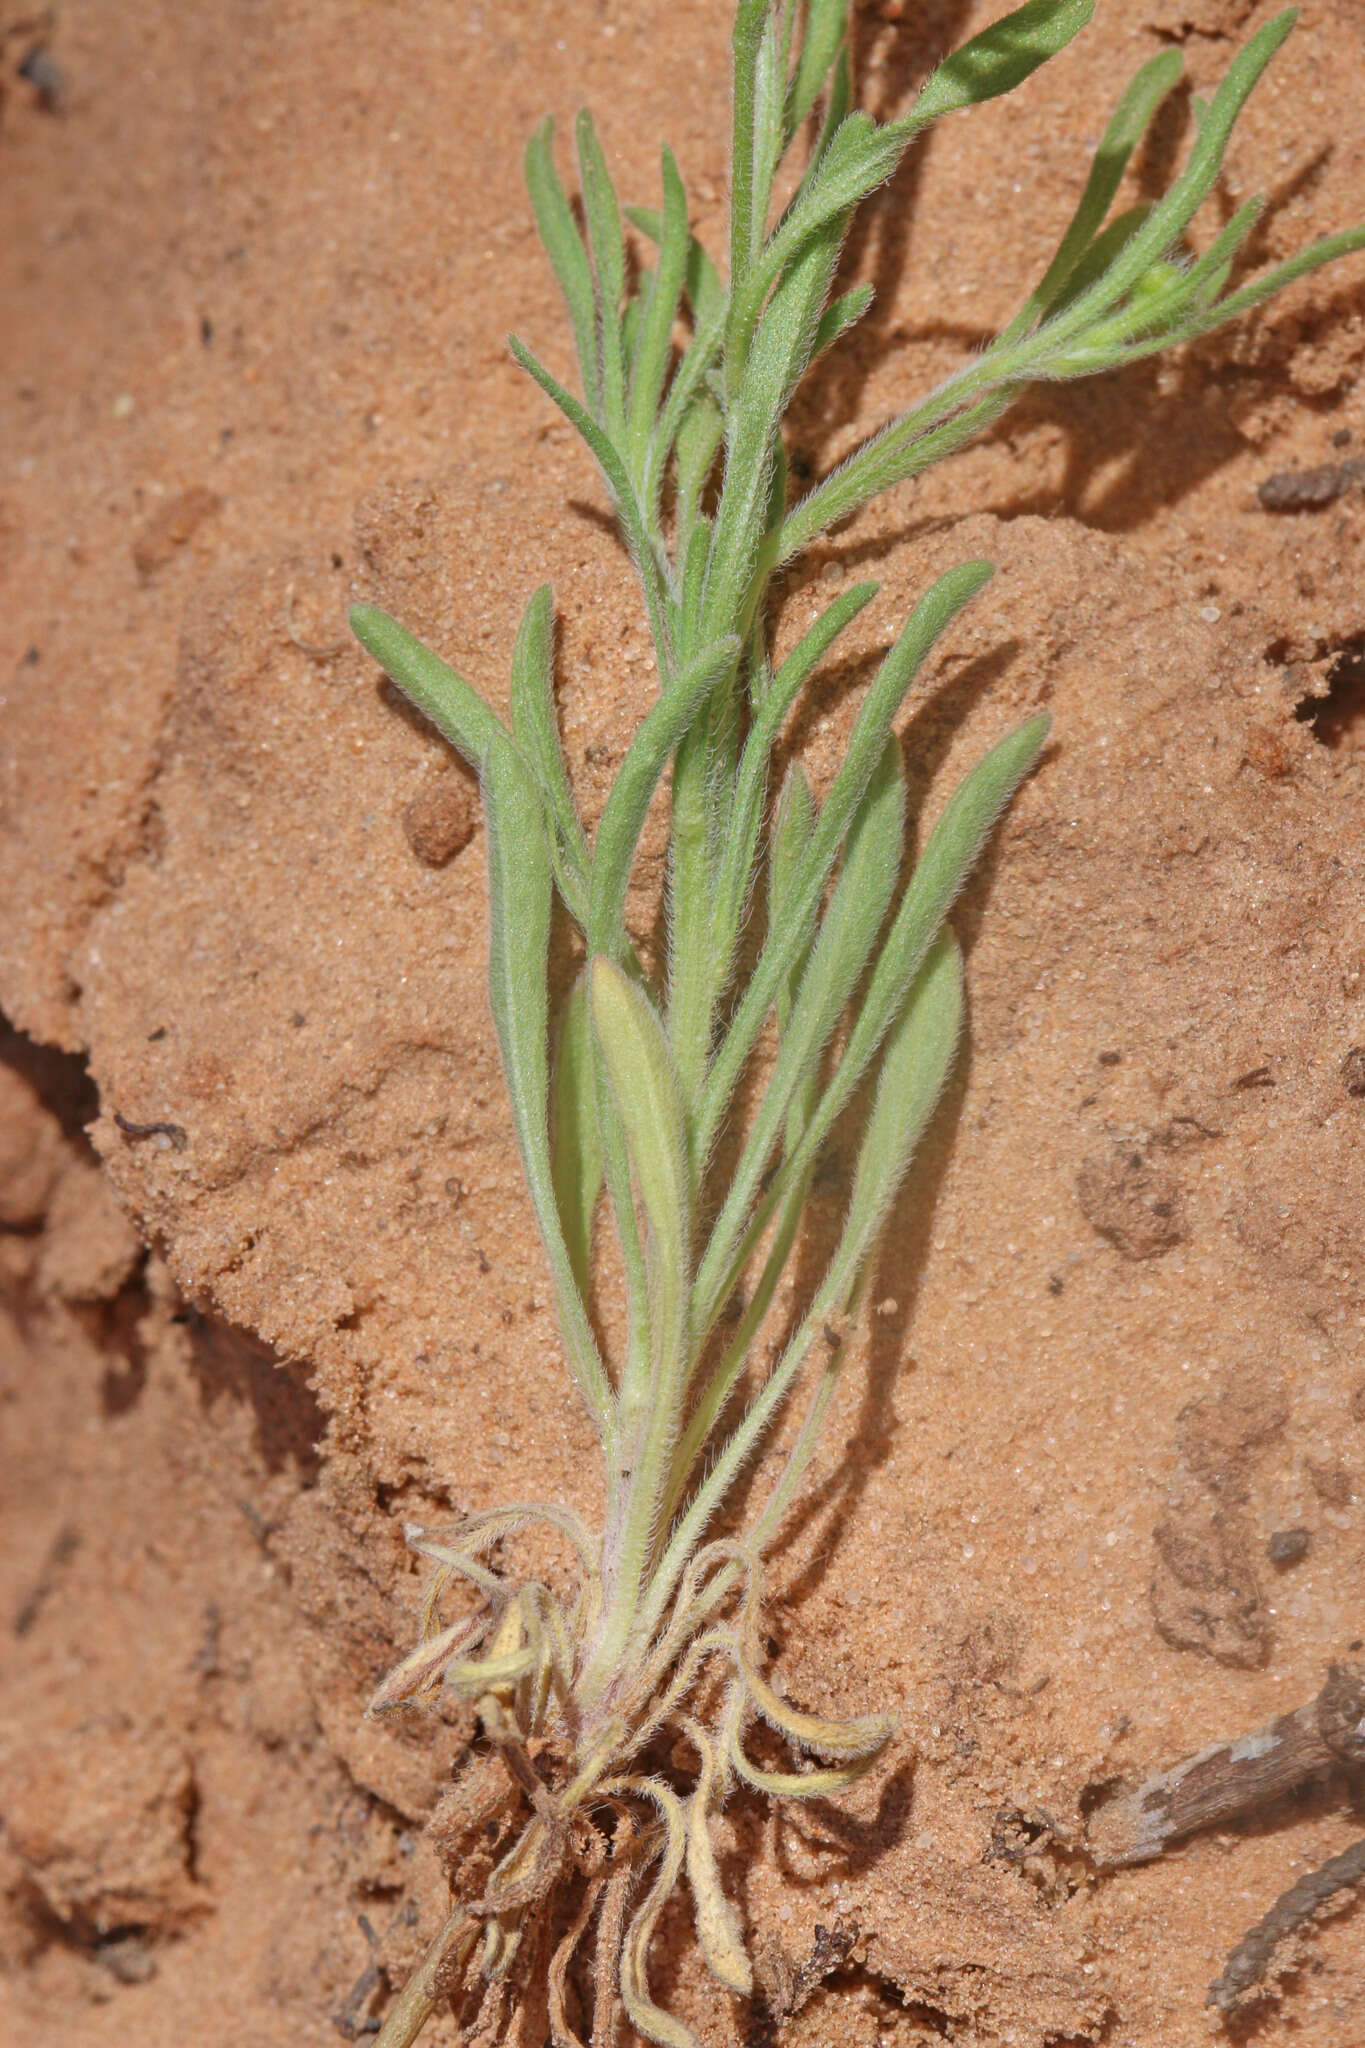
pixel 257 267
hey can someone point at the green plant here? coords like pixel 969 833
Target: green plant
pixel 639 1110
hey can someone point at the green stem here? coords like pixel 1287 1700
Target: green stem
pixel 631 1537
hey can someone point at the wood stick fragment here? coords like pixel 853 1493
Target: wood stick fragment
pixel 1232 1778
pixel 1246 1967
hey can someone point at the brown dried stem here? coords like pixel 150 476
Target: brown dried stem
pixel 1235 1777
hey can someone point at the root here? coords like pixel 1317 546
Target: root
pixel 611 1929
pixel 561 2033
pixel 432 1983
pixel 522 1827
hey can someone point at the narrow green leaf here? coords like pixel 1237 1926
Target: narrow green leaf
pixel 568 257
pixel 1205 279
pixel 689 420
pixel 614 470
pixel 1001 57
pixel 833 1297
pixel 745 41
pixel 702 795
pixel 789 838
pixel 947 860
pixel 656 332
pixel 769 139
pixel 936 608
pixel 722 763
pixel 838 105
pixel 603 215
pixel 644 1086
pixel 458 712
pixel 843 947
pixel 837 318
pixel 634 317
pixel 1196 283
pixel 1170 217
pixel 847 933
pixel 1327 250
pixel 793 824
pixel 716 739
pixel 535 725
pixel 814 644
pixel 860 157
pixel 901 450
pixel 1127 126
pixel 826 25
pixel 705 292
pixel 1162 308
pixel 647 1099
pixel 736 867
pixel 781 350
pixel 1102 252
pixel 698 554
pixel 701 279
pixel 915 1064
pixel 519 891
pixel 577 1148
pixel 648 755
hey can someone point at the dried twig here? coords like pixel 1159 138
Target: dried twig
pixel 1231 1778
pixel 1247 1966
pixel 1308 490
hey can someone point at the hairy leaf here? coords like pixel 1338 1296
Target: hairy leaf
pixel 519 891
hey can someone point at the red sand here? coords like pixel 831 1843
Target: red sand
pixel 256 272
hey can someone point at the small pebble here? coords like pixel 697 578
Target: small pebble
pixel 1287 1546
pixel 128 1959
pixel 439 821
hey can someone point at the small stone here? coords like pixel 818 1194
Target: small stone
pixel 1307 490
pixel 128 1959
pixel 1287 1546
pixel 439 821
pixel 1353 1071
